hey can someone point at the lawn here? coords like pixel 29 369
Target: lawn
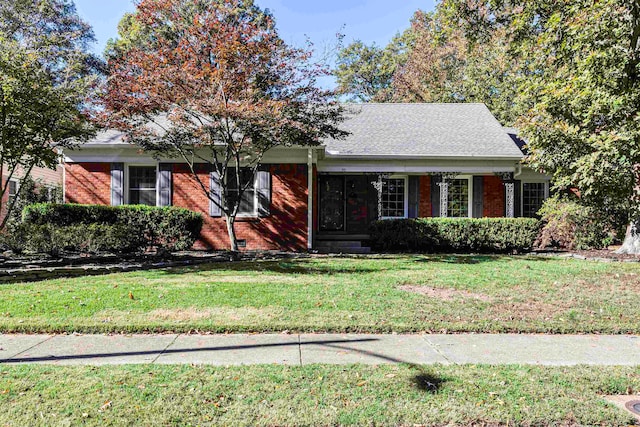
pixel 373 294
pixel 313 395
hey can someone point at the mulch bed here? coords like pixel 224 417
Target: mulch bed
pixel 607 254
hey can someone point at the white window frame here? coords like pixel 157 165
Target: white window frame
pixel 127 196
pixel 469 178
pixel 406 197
pixel 532 181
pixel 253 214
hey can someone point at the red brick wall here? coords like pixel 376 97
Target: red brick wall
pixel 424 207
pixel 88 183
pixel 284 229
pixel 493 197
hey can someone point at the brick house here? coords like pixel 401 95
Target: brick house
pixel 45 177
pixel 400 161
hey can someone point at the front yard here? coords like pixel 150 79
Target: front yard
pixel 411 293
pixel 314 395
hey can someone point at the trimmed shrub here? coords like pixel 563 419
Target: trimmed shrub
pixel 167 228
pixel 569 225
pixel 54 240
pixel 455 234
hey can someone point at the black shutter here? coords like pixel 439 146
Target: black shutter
pixel 117 184
pixel 435 196
pixel 215 194
pixel 478 196
pixel 263 190
pixel 414 196
pixel 165 184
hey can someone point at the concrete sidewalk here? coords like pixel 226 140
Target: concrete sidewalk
pixel 305 349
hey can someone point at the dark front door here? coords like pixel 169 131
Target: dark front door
pixel 348 203
pixel 361 201
pixel 332 203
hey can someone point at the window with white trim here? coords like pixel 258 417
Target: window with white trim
pixel 142 185
pixel 248 200
pixel 458 200
pixel 13 190
pixel 394 197
pixel 533 195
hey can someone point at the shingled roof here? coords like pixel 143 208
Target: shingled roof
pixel 406 131
pixel 422 130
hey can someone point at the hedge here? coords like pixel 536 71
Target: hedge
pixel 54 240
pixel 169 228
pixel 455 234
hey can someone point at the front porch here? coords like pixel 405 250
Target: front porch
pixel 347 203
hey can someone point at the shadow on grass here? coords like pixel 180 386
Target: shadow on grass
pixel 304 266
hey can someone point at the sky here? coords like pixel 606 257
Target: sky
pixel 372 21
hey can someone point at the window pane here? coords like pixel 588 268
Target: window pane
pixel 458 206
pixel 247 202
pixel 533 195
pixel 13 190
pixel 393 198
pixel 142 177
pixel 142 185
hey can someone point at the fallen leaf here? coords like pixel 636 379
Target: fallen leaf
pixel 131 295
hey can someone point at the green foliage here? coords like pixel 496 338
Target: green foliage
pixel 32 191
pixel 366 72
pixel 455 234
pixel 569 224
pixel 54 240
pixel 169 228
pixel 47 78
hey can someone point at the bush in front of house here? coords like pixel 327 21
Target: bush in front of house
pixel 455 234
pixel 85 238
pixel 167 228
pixel 567 224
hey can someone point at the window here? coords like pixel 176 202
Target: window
pixel 458 202
pixel 394 197
pixel 13 191
pixel 533 195
pixel 248 200
pixel 142 185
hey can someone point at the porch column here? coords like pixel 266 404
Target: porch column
pixel 444 197
pixel 310 199
pixel 510 196
pixel 509 193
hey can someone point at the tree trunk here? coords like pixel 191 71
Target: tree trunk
pixel 232 234
pixel 631 244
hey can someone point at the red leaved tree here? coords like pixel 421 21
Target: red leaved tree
pixel 211 82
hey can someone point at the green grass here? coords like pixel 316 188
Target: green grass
pixel 313 395
pixel 457 294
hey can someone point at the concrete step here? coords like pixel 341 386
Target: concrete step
pixel 339 244
pixel 344 250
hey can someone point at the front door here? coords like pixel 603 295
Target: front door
pixel 332 208
pixel 348 203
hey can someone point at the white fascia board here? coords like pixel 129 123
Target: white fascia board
pixel 132 154
pixel 333 155
pixel 412 169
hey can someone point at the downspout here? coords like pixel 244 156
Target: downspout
pixel 517 174
pixel 310 199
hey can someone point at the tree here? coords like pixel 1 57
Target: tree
pixel 366 72
pixel 443 65
pixel 211 82
pixel 582 94
pixel 46 77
